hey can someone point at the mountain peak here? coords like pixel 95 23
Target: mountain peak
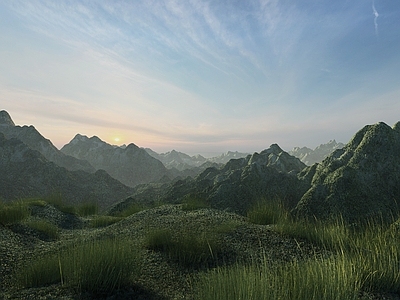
pixel 5 119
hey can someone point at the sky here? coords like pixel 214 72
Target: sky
pixel 201 76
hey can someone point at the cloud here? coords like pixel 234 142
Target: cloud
pixel 376 15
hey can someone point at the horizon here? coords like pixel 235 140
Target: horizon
pixel 200 76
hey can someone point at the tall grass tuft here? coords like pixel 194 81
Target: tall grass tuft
pixel 13 212
pixel 48 229
pixel 87 209
pixel 194 203
pixel 268 212
pixel 186 248
pixel 56 200
pixel 98 267
pixel 317 279
pixel 103 221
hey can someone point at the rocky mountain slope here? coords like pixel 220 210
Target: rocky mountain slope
pixel 177 160
pixel 268 174
pixel 31 137
pixel 130 165
pixel 358 181
pixel 310 157
pixel 27 173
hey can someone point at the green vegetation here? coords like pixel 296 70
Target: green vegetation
pixel 87 209
pixel 46 228
pixel 130 210
pixel 56 200
pixel 188 248
pixel 267 212
pixel 194 203
pixel 13 212
pixel 98 267
pixel 103 221
pixel 363 259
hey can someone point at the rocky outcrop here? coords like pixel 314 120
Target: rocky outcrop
pixel 31 137
pixel 359 181
pixel 27 173
pixel 130 165
pixel 310 157
pixel 268 174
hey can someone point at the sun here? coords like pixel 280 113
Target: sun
pixel 117 139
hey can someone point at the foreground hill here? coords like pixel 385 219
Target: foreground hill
pixel 27 173
pixel 31 137
pixel 361 180
pixel 131 165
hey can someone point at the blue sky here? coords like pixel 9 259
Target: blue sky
pixel 201 76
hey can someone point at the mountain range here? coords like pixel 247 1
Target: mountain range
pixel 357 181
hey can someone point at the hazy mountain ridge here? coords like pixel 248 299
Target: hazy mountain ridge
pixel 27 173
pixel 236 185
pixel 130 165
pixel 310 157
pixel 31 137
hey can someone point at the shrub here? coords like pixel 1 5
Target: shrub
pixel 46 228
pixel 97 267
pixel 13 212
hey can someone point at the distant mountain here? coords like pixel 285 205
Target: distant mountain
pixel 131 165
pixel 225 157
pixel 177 160
pixel 268 174
pixel 359 181
pixel 31 137
pixel 27 173
pixel 310 157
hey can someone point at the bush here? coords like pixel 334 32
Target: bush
pixel 98 267
pixel 46 228
pixel 13 212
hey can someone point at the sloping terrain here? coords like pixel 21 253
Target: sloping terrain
pixel 27 173
pixel 31 137
pixel 359 181
pixel 131 165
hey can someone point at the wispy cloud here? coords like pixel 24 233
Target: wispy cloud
pixel 376 15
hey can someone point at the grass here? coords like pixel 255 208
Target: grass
pixel 14 212
pixel 130 210
pixel 194 203
pixel 56 200
pixel 98 267
pixel 187 248
pixel 46 228
pixel 103 221
pixel 363 259
pixel 87 209
pixel 267 212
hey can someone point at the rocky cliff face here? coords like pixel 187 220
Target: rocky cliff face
pixel 27 173
pixel 310 157
pixel 358 181
pixel 130 165
pixel 31 137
